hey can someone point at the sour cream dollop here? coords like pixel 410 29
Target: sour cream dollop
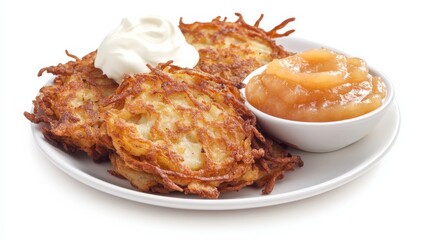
pixel 136 43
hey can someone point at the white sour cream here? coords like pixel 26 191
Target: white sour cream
pixel 148 40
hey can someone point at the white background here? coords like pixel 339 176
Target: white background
pixel 39 201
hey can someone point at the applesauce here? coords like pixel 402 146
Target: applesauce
pixel 317 85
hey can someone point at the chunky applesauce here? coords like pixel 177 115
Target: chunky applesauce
pixel 316 86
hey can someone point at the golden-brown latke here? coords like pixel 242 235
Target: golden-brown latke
pixel 69 108
pixel 232 50
pixel 186 131
pixel 182 126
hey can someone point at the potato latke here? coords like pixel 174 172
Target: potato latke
pixel 187 131
pixel 70 106
pixel 184 127
pixel 232 50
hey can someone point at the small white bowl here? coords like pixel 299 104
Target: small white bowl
pixel 322 136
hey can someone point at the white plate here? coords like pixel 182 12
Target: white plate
pixel 321 172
